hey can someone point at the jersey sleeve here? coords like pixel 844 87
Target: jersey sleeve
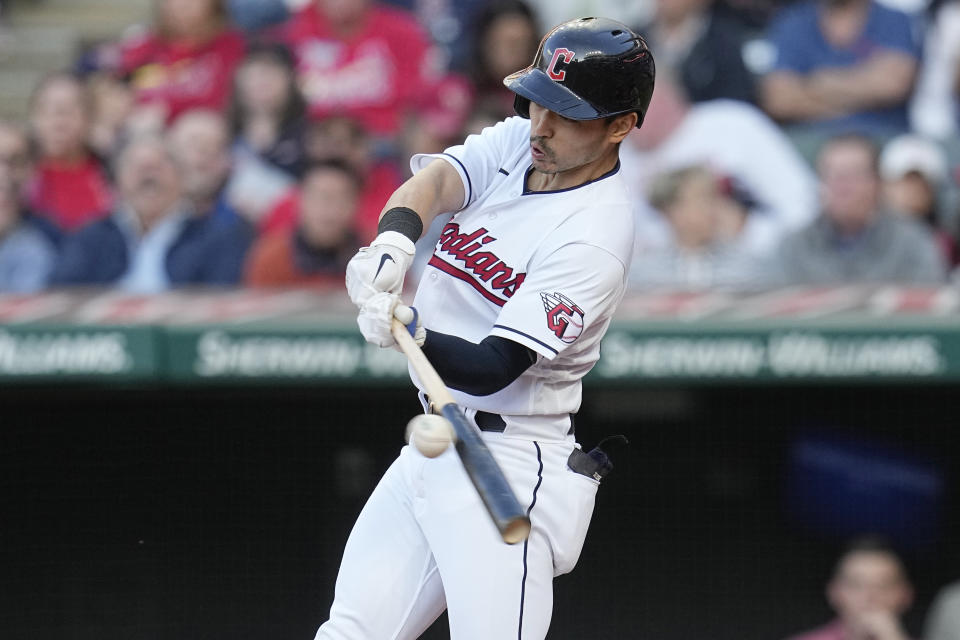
pixel 565 299
pixel 481 155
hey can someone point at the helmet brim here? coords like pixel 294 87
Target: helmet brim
pixel 535 85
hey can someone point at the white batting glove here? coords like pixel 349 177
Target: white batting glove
pixel 379 267
pixel 376 318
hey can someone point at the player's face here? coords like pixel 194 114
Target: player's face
pixel 568 152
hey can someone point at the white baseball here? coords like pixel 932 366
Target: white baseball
pixel 430 434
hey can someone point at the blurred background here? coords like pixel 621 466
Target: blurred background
pixel 191 421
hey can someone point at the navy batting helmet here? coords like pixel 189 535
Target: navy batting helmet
pixel 586 69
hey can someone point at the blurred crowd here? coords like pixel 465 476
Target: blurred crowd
pixel 869 592
pixel 254 142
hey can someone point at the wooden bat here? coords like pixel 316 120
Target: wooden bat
pixel 484 472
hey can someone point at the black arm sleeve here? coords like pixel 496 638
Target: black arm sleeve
pixel 477 369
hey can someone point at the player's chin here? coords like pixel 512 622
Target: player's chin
pixel 543 165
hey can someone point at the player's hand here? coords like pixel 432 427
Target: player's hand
pixel 410 317
pixel 379 267
pixel 376 319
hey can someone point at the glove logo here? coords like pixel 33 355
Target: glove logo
pixel 564 317
pixel 559 54
pixel 383 261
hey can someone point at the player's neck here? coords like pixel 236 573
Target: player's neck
pixel 571 178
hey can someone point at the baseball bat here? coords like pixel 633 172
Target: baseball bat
pixel 509 517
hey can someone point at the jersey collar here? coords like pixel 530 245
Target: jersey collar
pixel 528 192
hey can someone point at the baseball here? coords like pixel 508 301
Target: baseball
pixel 430 434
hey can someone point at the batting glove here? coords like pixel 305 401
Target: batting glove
pixel 379 267
pixel 376 318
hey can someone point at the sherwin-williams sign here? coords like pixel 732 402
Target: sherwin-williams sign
pixel 245 354
pixel 837 334
pixel 32 352
pixel 786 354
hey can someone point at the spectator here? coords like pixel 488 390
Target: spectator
pixel 200 141
pixel 869 592
pixel 363 60
pixel 15 161
pixel 26 255
pixel 706 216
pixel 317 250
pixel 69 186
pixel 505 39
pixel 450 24
pixel 345 140
pixel 480 117
pixel 16 164
pixel 943 619
pixel 152 242
pixel 112 105
pixel 440 117
pixel 554 12
pixel 255 15
pixel 706 48
pixel 841 65
pixel 731 138
pixel 754 14
pixel 935 110
pixel 186 61
pixel 855 239
pixel 915 173
pixel 268 112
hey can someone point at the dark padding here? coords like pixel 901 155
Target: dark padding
pixel 402 220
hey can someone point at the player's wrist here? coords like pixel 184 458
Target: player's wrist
pixel 402 220
pixel 395 239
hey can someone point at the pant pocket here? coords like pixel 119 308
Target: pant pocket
pixel 581 493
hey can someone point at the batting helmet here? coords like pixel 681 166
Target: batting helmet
pixel 586 69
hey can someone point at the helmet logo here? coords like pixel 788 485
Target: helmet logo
pixel 560 53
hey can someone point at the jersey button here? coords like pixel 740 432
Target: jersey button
pixel 493 216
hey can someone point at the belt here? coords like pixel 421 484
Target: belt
pixel 490 421
pixel 494 422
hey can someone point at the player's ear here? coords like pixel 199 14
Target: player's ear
pixel 621 126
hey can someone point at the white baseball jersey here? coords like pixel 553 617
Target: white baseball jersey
pixel 545 269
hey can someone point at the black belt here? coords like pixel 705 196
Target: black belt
pixel 494 422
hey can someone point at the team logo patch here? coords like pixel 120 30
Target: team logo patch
pixel 564 317
pixel 559 55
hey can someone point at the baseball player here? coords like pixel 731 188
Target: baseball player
pixel 514 301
